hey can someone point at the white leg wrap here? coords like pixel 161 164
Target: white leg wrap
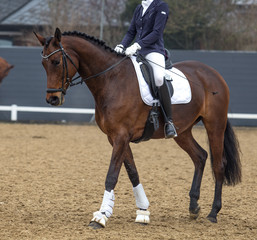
pixel 141 199
pixel 106 209
pixel 142 216
pixel 108 203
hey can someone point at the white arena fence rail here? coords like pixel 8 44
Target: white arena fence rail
pixel 14 109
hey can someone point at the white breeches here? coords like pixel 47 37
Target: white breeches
pixel 158 68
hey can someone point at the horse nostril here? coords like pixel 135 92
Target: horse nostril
pixel 53 100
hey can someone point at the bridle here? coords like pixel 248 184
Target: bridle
pixel 66 81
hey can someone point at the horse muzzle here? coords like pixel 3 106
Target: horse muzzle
pixel 55 100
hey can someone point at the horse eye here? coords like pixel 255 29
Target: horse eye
pixel 55 62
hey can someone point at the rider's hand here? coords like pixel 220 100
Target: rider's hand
pixel 119 48
pixel 130 51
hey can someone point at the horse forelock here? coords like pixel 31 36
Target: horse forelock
pixel 48 40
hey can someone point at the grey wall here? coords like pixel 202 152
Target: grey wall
pixel 239 70
pixel 26 83
pixel 26 86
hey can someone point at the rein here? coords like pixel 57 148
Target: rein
pixel 66 82
pixel 98 74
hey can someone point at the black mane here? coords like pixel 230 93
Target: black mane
pixel 89 38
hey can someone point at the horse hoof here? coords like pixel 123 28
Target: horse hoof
pixel 143 217
pixel 95 225
pixel 212 219
pixel 144 224
pixel 194 214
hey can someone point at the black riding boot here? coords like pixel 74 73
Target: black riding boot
pixel 164 96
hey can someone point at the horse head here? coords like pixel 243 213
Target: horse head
pixel 57 59
pixel 5 68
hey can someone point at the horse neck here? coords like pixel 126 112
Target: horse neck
pixel 93 59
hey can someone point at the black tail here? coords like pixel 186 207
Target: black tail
pixel 232 154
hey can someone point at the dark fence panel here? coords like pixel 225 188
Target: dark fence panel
pixel 26 83
pixel 26 86
pixel 239 70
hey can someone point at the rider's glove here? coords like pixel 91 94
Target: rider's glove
pixel 130 51
pixel 119 48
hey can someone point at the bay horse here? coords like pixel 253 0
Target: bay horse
pixel 121 114
pixel 5 67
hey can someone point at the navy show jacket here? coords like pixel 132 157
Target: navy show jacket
pixel 148 29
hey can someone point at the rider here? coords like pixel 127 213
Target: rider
pixel 147 27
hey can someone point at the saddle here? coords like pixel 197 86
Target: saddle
pixel 168 62
pixel 152 123
pixel 148 74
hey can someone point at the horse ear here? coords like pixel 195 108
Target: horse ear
pixel 41 39
pixel 58 35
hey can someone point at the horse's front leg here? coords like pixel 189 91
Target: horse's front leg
pixel 139 193
pixel 120 147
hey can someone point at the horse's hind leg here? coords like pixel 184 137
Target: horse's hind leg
pixel 216 140
pixel 198 156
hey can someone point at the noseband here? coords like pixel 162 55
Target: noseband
pixel 66 82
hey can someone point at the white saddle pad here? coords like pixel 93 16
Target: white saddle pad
pixel 182 91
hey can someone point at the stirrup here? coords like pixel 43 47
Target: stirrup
pixel 170 130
